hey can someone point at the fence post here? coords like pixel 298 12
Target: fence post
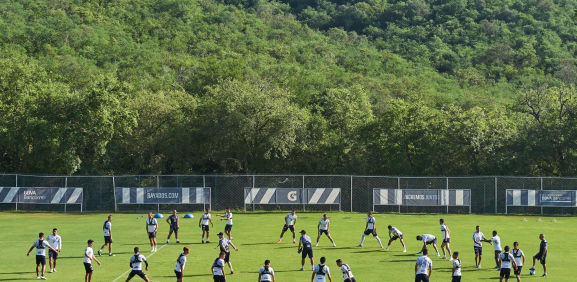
pixel 495 194
pixel 251 193
pixel 65 186
pixel 447 185
pixel 539 196
pixel 114 191
pixel 303 194
pixel 16 186
pixel 398 187
pixel 351 193
pixel 158 186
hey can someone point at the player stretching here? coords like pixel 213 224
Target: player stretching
pixel 456 268
pixel 478 238
pixel 224 247
pixel 320 271
pixel 151 227
pixel 88 258
pixel 370 228
pixel 423 267
pixel 347 274
pixel 323 228
pixel 396 234
pixel 136 265
pixel 496 242
pixel 428 239
pixel 446 239
pixel 306 248
pixel 40 245
pixel 266 273
pixel 205 218
pixel 107 228
pixel 542 255
pixel 290 222
pixel 228 217
pixel 519 259
pixel 174 224
pixel 180 262
pixel 505 260
pixel 218 268
pixel 55 242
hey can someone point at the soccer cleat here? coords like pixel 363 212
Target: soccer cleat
pixel 99 252
pixel 451 259
pixel 444 257
pixel 278 241
pixel 334 245
pixel 54 269
pixel 302 269
pixel 38 277
pixel 544 275
pixel 231 272
pixel 317 245
pixel 438 255
pixel 167 241
pixel 207 241
pixel 43 278
pixel 294 242
pixel 381 246
pixel 51 270
pixel 231 238
pixel 496 267
pixel 405 250
pixel 479 265
pixel 532 268
pixel 203 242
pixel 360 245
pixel 419 253
pixel 111 255
pixel 178 242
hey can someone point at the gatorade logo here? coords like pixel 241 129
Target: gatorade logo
pixel 292 196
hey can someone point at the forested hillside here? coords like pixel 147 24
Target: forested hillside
pixel 418 87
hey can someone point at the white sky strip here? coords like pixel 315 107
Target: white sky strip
pixel 74 197
pixel 267 195
pixel 333 196
pixel 317 195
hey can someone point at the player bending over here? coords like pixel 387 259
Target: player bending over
pixel 505 260
pixel 266 273
pixel 40 246
pixel 306 248
pixel 323 228
pixel 151 228
pixel 428 239
pixel 542 255
pixel 174 224
pixel 88 258
pixel 395 234
pixel 446 239
pixel 136 265
pixel 205 218
pixel 320 271
pixel 107 228
pixel 290 222
pixel 55 242
pixel 228 217
pixel 347 274
pixel 370 228
pixel 180 263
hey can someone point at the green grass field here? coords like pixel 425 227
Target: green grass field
pixel 256 234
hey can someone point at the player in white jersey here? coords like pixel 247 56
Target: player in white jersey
pixel 107 228
pixel 446 239
pixel 496 241
pixel 88 258
pixel 456 273
pixel 151 228
pixel 428 239
pixel 180 262
pixel 218 274
pixel 136 264
pixel 323 228
pixel 174 224
pixel 370 228
pixel 478 238
pixel 519 257
pixel 423 267
pixel 224 247
pixel 205 218
pixel 266 273
pixel 320 271
pixel 40 245
pixel 228 217
pixel 290 222
pixel 346 270
pixel 505 261
pixel 395 234
pixel 55 242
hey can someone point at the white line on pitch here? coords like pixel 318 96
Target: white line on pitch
pixel 131 269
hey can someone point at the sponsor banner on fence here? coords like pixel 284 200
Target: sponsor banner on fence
pixel 292 196
pixel 545 198
pixel 422 197
pixel 40 195
pixel 197 195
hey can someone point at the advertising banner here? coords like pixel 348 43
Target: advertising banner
pixel 198 195
pixel 41 195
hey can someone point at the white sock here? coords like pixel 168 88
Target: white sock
pixel 231 268
pixel 363 239
pixel 280 239
pixel 168 240
pixel 378 240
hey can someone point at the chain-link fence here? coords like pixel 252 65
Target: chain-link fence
pixel 488 194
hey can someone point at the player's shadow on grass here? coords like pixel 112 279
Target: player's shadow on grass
pixel 368 251
pixel 15 272
pixel 398 260
pixel 14 279
pixel 334 249
pixel 254 244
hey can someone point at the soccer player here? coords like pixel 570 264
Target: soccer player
pixel 174 224
pixel 151 227
pixel 478 238
pixel 136 265
pixel 496 242
pixel 40 245
pixel 519 259
pixel 505 260
pixel 423 267
pixel 456 268
pixel 320 271
pixel 224 247
pixel 428 239
pixel 266 273
pixel 55 242
pixel 290 222
pixel 323 228
pixel 88 258
pixel 347 274
pixel 306 249
pixel 107 228
pixel 228 217
pixel 396 234
pixel 446 239
pixel 180 262
pixel 205 218
pixel 218 268
pixel 542 255
pixel 370 228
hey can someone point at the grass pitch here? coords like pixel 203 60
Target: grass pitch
pixel 256 234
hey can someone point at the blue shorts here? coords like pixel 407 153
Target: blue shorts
pixel 285 228
pixel 137 272
pixel 479 251
pixel 41 260
pixel 321 232
pixel 151 235
pixel 394 238
pixel 370 231
pixel 173 229
pixel 228 227
pixel 205 228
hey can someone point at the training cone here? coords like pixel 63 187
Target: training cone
pixel 188 215
pixel 158 215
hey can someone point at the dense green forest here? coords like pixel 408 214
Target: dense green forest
pixel 416 87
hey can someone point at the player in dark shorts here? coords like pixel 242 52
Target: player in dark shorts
pixel 218 274
pixel 136 264
pixel 88 258
pixel 542 255
pixel 107 228
pixel 506 259
pixel 306 249
pixel 40 246
pixel 228 217
pixel 174 224
pixel 180 263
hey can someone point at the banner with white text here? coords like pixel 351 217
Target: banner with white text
pixel 196 195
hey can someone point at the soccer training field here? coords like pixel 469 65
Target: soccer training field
pixel 256 234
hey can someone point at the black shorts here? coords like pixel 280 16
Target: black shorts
pixel 395 237
pixel 498 252
pixel 205 228
pixel 518 271
pixel 370 231
pixel 178 274
pixel 52 254
pixel 351 280
pixel 307 252
pixel 107 240
pixel 432 242
pixel 41 260
pixel 151 235
pixel 228 227
pixel 137 272
pixel 456 279
pixel 88 267
pixel 479 250
pixel 291 227
pixel 227 257
pixel 422 278
pixel 505 273
pixel 173 229
pixel 538 256
pixel 321 232
pixel 447 241
pixel 218 278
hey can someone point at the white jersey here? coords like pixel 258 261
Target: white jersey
pixel 496 243
pixel 518 255
pixel 443 228
pixel 477 237
pixel 428 238
pixel 40 246
pixel 88 254
pixel 55 241
pixel 136 261
pixel 180 261
pixel 107 226
pixel 218 267
pixel 506 259
pixel 224 242
pixel 324 224
pixel 229 216
pixel 344 269
pixel 395 232
pixel 266 274
pixel 321 271
pixel 152 224
pixel 205 217
pixel 423 263
pixel 290 218
pixel 457 267
pixel 371 223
